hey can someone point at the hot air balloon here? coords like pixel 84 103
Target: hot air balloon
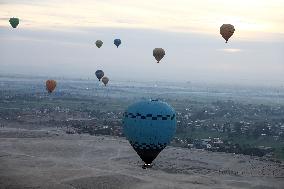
pixel 105 80
pixel 149 126
pixel 117 42
pixel 158 53
pixel 50 85
pixel 227 30
pixel 99 43
pixel 100 74
pixel 14 22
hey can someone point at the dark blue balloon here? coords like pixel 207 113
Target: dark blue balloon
pixel 149 126
pixel 100 74
pixel 117 42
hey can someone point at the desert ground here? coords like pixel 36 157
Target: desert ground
pixel 48 158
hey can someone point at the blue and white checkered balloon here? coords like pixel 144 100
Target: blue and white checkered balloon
pixel 149 126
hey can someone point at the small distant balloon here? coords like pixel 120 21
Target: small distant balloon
pixel 227 30
pixel 158 53
pixel 14 22
pixel 99 74
pixel 99 43
pixel 50 85
pixel 105 80
pixel 117 42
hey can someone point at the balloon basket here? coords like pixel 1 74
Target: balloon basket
pixel 146 166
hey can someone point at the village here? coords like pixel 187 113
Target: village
pixel 223 126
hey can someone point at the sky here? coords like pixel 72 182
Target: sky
pixel 56 38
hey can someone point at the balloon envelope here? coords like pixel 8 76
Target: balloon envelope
pixel 14 22
pixel 50 85
pixel 158 53
pixel 105 80
pixel 149 126
pixel 227 30
pixel 117 42
pixel 100 74
pixel 99 43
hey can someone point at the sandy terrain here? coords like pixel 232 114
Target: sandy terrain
pixel 52 159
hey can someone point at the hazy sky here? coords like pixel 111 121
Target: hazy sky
pixel 56 38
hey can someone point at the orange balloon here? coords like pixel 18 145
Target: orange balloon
pixel 50 85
